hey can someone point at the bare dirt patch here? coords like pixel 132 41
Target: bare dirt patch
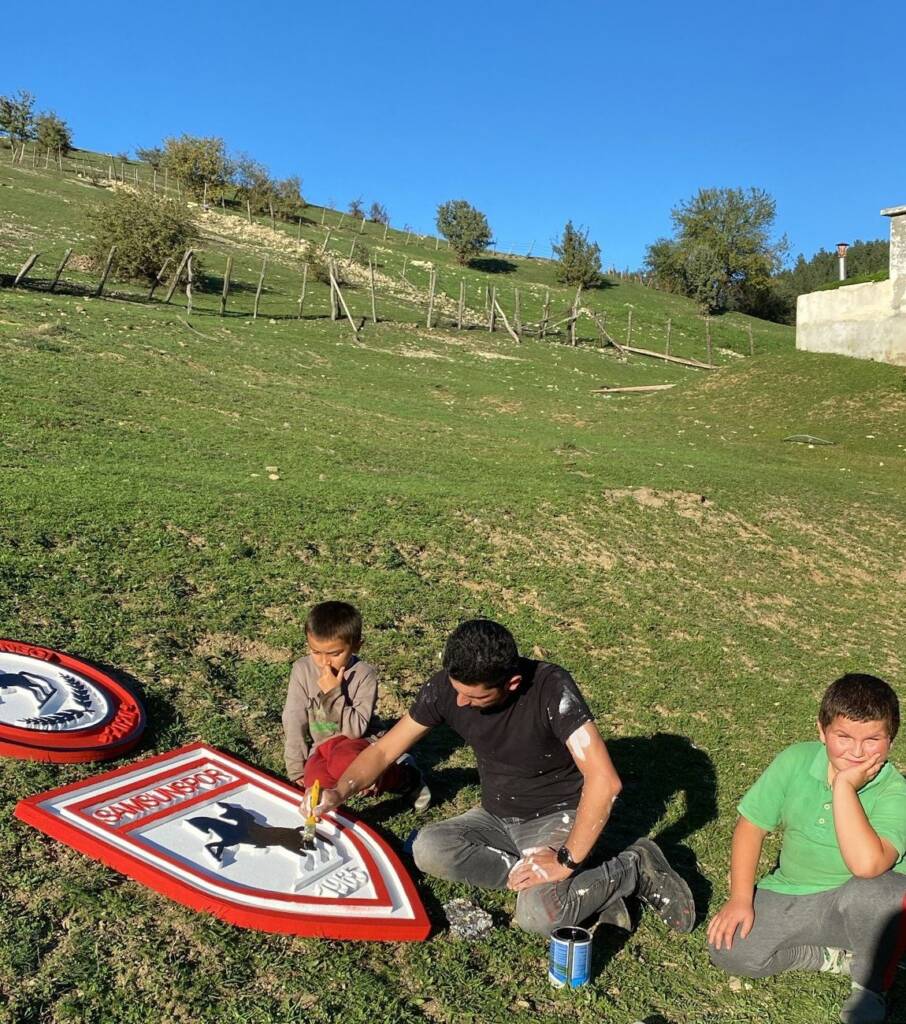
pixel 228 645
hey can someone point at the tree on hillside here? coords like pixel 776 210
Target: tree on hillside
pixel 356 209
pixel 579 261
pixel 146 229
pixel 253 182
pixel 152 155
pixel 195 161
pixel 288 200
pixel 721 251
pixel 17 118
pixel 53 133
pixel 378 213
pixel 465 228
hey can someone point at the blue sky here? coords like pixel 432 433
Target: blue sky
pixel 606 114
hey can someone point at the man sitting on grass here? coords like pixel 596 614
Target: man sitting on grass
pixel 547 788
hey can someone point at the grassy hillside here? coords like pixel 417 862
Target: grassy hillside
pixel 176 493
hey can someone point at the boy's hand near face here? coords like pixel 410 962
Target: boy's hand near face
pixel 860 775
pixel 330 678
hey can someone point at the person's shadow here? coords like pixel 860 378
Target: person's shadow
pixel 654 769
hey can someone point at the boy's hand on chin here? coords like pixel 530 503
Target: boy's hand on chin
pixel 860 775
pixel 330 678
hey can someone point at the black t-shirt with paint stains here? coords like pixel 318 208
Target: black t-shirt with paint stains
pixel 525 767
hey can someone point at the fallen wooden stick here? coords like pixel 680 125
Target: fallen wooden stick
pixel 627 390
pixel 670 359
pixel 620 348
pixel 506 323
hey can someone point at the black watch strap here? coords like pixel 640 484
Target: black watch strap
pixel 565 858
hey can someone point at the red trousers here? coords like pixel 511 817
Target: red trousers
pixel 331 758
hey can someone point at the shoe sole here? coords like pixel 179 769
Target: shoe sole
pixel 678 920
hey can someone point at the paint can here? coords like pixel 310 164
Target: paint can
pixel 570 957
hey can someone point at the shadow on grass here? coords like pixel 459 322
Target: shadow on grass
pixel 493 265
pixel 654 769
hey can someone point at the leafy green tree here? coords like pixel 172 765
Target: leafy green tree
pixel 146 228
pixel 465 228
pixel 253 183
pixel 17 118
pixel 152 155
pixel 195 161
pixel 579 261
pixel 288 200
pixel 722 250
pixel 53 133
pixel 378 213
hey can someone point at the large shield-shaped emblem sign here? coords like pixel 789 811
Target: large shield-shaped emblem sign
pixel 55 707
pixel 213 833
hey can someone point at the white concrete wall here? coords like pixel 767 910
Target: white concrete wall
pixel 867 321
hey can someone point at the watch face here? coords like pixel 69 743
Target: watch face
pixel 564 857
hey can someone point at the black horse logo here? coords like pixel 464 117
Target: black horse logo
pixel 41 688
pixel 238 826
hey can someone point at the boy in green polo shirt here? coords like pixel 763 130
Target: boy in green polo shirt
pixel 837 900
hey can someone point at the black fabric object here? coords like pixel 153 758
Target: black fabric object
pixel 520 744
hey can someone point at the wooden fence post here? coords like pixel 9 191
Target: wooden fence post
pixel 154 181
pixel 260 286
pixel 546 313
pixel 334 305
pixel 708 336
pixel 342 301
pixel 160 277
pixel 177 276
pixel 271 208
pixel 248 209
pixel 629 328
pixel 517 319
pixel 408 233
pixel 667 344
pixel 462 302
pixel 362 228
pixel 351 250
pixel 326 240
pixel 304 282
pixel 63 263
pixel 26 266
pixel 342 218
pixel 573 340
pixel 492 314
pixel 323 215
pixel 204 198
pixel 386 227
pixel 751 342
pixel 432 281
pixel 107 266
pixel 299 232
pixel 226 285
pixel 189 287
pixel 371 276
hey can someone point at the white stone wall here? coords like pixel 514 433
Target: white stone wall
pixel 867 321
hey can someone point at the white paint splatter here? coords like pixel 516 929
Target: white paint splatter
pixel 567 703
pixel 565 819
pixel 580 741
pixel 539 871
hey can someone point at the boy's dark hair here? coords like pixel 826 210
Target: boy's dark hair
pixel 862 698
pixel 335 620
pixel 481 651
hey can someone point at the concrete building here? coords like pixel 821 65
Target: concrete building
pixel 867 321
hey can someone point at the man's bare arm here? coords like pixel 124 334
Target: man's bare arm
pixel 365 769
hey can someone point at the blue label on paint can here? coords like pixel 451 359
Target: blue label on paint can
pixel 570 957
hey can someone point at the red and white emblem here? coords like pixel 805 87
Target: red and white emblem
pixel 54 707
pixel 213 833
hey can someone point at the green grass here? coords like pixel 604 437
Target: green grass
pixel 702 579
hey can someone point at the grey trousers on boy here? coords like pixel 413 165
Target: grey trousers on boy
pixel 480 848
pixel 866 916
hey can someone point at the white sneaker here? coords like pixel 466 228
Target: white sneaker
pixel 418 793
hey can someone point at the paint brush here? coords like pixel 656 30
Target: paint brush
pixel 308 833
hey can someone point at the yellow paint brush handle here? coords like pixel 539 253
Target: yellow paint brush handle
pixel 314 798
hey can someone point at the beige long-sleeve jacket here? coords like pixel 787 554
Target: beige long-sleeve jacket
pixel 310 716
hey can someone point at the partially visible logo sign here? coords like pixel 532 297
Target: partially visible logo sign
pixel 213 833
pixel 55 707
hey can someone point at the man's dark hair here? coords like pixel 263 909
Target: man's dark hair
pixel 862 698
pixel 335 620
pixel 481 651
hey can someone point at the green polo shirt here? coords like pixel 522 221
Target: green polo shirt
pixel 793 794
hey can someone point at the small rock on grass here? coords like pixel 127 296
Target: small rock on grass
pixel 466 920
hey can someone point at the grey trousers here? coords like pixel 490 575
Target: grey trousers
pixel 480 848
pixel 866 916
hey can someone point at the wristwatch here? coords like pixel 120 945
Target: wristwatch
pixel 564 857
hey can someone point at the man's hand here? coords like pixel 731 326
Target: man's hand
pixel 737 912
pixel 330 678
pixel 537 867
pixel 330 799
pixel 860 775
